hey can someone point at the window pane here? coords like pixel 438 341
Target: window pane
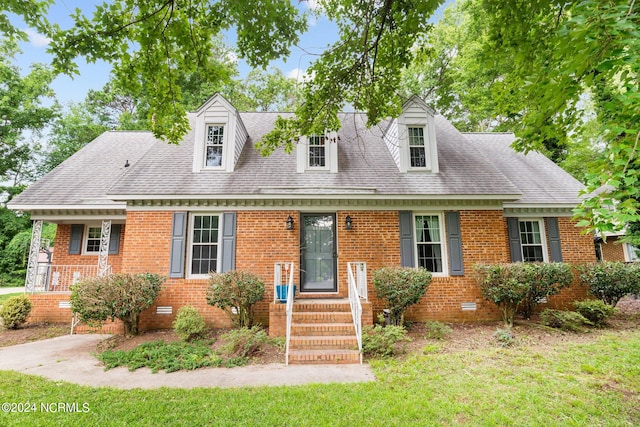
pixel 94 235
pixel 531 240
pixel 416 136
pixel 317 154
pixel 204 250
pixel 214 156
pixel 428 243
pixel 418 157
pixel 214 144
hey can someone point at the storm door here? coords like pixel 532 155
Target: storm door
pixel 318 253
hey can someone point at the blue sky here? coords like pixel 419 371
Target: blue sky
pixel 321 33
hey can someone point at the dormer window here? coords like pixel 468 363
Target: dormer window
pixel 411 138
pixel 417 149
pixel 317 151
pixel 214 145
pixel 219 136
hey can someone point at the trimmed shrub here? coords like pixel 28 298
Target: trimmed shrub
pixel 594 310
pixel 15 311
pixel 116 296
pixel 565 320
pixel 436 330
pixel 189 324
pixel 544 279
pixel 236 292
pixel 611 281
pixel 381 341
pixel 503 285
pixel 401 287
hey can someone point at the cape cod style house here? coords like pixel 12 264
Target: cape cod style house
pixel 411 191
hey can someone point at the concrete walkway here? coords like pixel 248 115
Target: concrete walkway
pixel 4 291
pixel 68 358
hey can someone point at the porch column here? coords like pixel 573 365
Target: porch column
pixel 103 256
pixel 34 250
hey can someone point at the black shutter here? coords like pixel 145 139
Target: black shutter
pixel 513 227
pixel 407 257
pixel 114 239
pixel 75 241
pixel 228 261
pixel 178 242
pixel 553 233
pixel 456 267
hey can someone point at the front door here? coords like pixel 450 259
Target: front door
pixel 318 253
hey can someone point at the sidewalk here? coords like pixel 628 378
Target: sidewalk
pixel 68 358
pixel 4 291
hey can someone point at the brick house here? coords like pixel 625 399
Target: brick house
pixel 411 191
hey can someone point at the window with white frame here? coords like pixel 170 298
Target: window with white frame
pixel 317 151
pixel 633 253
pixel 214 145
pixel 429 242
pixel 92 238
pixel 417 148
pixel 532 241
pixel 204 243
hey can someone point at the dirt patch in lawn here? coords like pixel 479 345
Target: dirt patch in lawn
pixel 32 332
pixel 530 333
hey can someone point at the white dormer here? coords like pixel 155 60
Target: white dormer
pixel 318 153
pixel 411 138
pixel 219 136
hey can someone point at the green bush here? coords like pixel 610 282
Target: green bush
pixel 244 342
pixel 544 279
pixel 504 285
pixel 236 292
pixel 115 296
pixel 611 281
pixel 594 310
pixel 565 320
pixel 401 287
pixel 381 341
pixel 436 330
pixel 189 324
pixel 15 311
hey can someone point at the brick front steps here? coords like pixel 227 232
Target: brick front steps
pixel 322 331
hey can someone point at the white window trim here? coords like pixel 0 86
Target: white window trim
pixel 443 242
pixel 425 145
pixel 225 147
pixel 188 274
pixel 330 155
pixel 627 253
pixel 543 237
pixel 326 153
pixel 85 238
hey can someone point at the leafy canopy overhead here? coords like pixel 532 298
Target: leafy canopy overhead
pixel 153 43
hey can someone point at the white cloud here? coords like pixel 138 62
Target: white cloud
pixel 37 40
pixel 298 74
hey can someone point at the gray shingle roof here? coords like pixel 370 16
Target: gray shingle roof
pixel 539 179
pixel 471 166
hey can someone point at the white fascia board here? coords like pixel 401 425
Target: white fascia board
pixel 34 207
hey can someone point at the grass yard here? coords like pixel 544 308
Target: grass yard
pixel 4 297
pixel 568 384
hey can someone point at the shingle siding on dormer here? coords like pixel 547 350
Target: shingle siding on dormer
pixel 391 140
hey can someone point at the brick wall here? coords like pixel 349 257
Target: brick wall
pixel 61 254
pixel 612 250
pixel 262 240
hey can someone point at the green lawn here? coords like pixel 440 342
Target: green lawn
pixel 4 297
pixel 593 384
